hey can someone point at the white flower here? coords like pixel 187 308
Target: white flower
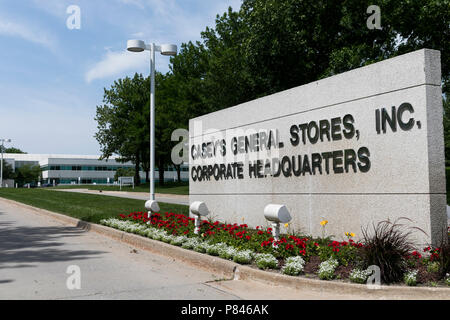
pixel 359 276
pixel 293 266
pixel 167 238
pixel 178 241
pixel 214 249
pixel 201 246
pixel 410 277
pixel 227 252
pixel 326 269
pixel 159 234
pixel 447 279
pixel 190 243
pixel 266 261
pixel 243 256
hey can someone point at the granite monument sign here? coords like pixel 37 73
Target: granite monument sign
pixel 354 149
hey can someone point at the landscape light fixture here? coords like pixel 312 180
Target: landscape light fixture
pixel 276 214
pixel 1 165
pixel 165 50
pixel 198 209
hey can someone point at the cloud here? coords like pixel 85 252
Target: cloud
pixel 26 32
pixel 116 63
pixel 138 3
pixel 55 8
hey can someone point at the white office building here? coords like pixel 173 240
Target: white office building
pixel 82 169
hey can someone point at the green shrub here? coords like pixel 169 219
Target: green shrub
pixel 433 266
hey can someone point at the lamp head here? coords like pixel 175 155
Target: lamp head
pixel 136 45
pixel 169 50
pixel 277 213
pixel 152 205
pixel 199 208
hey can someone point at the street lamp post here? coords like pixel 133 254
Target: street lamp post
pixel 166 50
pixel 1 165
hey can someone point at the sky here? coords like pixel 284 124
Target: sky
pixel 53 74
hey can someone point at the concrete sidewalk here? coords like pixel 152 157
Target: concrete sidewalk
pixel 37 245
pixel 36 251
pixel 161 197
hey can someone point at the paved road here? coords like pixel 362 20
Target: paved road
pixel 167 198
pixel 36 251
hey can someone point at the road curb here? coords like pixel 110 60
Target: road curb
pixel 231 270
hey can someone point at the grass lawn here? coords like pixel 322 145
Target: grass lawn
pixel 168 188
pixel 86 207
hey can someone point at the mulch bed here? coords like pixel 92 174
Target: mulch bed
pixel 424 277
pixel 343 272
pixel 312 266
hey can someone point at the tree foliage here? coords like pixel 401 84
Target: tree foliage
pixel 272 45
pixel 14 150
pixel 8 171
pixel 123 172
pixel 28 174
pixel 123 120
pixel 264 47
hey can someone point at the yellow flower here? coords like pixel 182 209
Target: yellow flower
pixel 352 234
pixel 286 225
pixel 323 223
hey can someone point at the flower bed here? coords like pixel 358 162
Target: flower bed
pixel 291 255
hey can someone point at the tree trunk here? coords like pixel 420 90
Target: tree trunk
pixel 137 168
pixel 161 172
pixel 146 169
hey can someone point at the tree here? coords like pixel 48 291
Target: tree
pixel 272 45
pixel 28 174
pixel 446 104
pixel 406 26
pixel 264 47
pixel 171 114
pixel 8 172
pixel 14 150
pixel 123 120
pixel 123 172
